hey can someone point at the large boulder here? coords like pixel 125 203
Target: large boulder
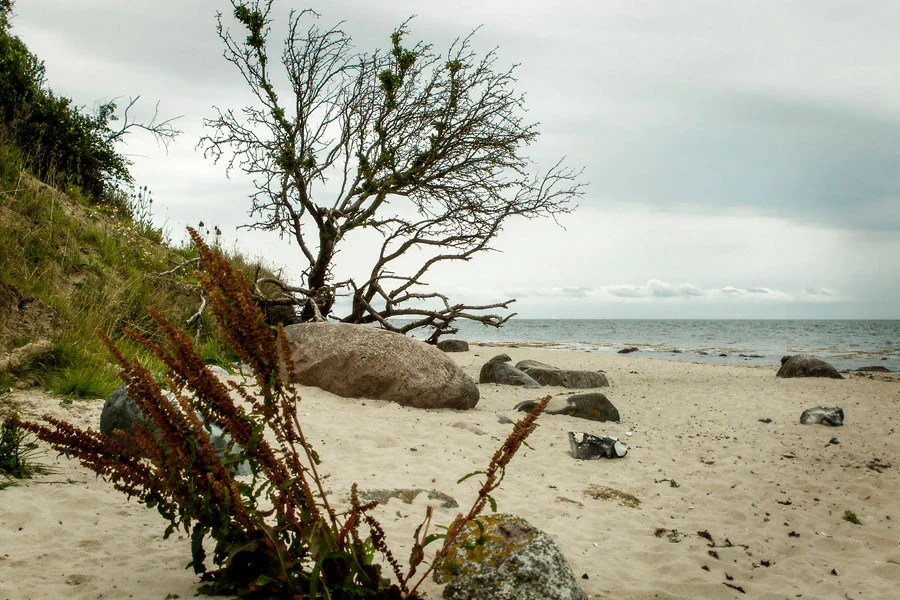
pixel 567 378
pixel 804 365
pixel 499 370
pixel 120 413
pixel 354 361
pixel 506 558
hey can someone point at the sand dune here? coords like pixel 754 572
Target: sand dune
pixel 755 507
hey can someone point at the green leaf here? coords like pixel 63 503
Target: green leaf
pixel 468 475
pixel 432 537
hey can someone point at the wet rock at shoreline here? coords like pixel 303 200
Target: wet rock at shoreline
pixel 875 368
pixel 804 365
pixel 628 350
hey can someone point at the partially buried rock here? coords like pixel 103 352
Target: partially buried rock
pixel 826 416
pixel 549 375
pixel 503 557
pixel 585 446
pixel 804 365
pixel 592 406
pixel 498 370
pixel 875 368
pixel 120 413
pixel 354 361
pixel 628 350
pixel 453 346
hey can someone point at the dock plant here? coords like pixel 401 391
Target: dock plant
pixel 275 533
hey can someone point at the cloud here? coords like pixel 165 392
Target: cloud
pixel 718 152
pixel 820 292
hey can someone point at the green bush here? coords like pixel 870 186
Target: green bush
pixel 60 138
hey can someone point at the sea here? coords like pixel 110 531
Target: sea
pixel 845 344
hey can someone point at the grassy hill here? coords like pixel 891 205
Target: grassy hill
pixel 69 269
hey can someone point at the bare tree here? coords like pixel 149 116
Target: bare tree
pixel 426 149
pixel 162 130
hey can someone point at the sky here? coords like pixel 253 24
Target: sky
pixel 742 157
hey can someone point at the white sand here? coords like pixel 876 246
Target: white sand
pixel 776 491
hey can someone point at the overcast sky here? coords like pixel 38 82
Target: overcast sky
pixel 743 156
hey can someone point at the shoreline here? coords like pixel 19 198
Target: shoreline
pixel 844 364
pixel 771 496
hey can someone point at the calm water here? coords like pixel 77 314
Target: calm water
pixel 844 344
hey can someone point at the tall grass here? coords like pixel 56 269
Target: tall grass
pixel 98 269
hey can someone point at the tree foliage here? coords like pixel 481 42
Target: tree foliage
pixel 59 137
pixel 427 149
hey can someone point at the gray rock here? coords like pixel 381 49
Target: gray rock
pixel 506 559
pixel 826 416
pixel 453 346
pixel 592 406
pixel 498 370
pixel 121 413
pixel 804 365
pixel 354 361
pixel 532 364
pixel 549 375
pixel 406 495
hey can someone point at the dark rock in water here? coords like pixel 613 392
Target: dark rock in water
pixel 498 370
pixel 804 365
pixel 453 346
pixel 723 354
pixel 825 416
pixel 704 353
pixel 628 350
pixel 876 368
pixel 586 446
pixel 121 413
pixel 503 557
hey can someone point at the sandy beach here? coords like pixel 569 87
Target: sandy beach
pixel 729 506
